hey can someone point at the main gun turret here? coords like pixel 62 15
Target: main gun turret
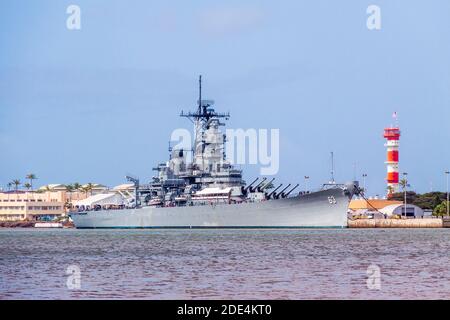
pixel 265 186
pixel 270 194
pixel 277 195
pixel 245 189
pixel 289 192
pixel 253 189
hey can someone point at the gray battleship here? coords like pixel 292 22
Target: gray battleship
pixel 207 191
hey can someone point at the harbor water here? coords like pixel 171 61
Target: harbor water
pixel 225 264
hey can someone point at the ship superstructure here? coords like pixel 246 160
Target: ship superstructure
pixel 209 174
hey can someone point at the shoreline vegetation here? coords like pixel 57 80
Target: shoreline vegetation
pixel 434 201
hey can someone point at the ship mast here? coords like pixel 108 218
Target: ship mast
pixel 204 111
pixel 201 119
pixel 199 94
pixel 332 168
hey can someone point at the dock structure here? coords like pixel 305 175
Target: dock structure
pixel 446 222
pixel 399 223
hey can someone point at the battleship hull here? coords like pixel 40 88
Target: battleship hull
pixel 321 209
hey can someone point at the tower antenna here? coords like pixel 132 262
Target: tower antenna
pixel 200 94
pixel 203 113
pixel 332 167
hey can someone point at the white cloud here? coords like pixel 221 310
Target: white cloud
pixel 229 20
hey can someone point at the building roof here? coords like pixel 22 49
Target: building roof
pixel 13 191
pixel 101 199
pixel 390 210
pixel 372 203
pixel 95 186
pixel 125 186
pixel 53 186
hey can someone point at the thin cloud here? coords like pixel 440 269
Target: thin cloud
pixel 229 20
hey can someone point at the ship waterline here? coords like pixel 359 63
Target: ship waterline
pixel 321 209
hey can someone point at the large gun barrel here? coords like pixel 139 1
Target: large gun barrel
pixel 289 192
pixel 245 189
pixel 277 195
pixel 270 194
pixel 261 189
pixel 253 189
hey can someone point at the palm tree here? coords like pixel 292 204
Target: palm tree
pixel 404 184
pixel 10 184
pixel 390 190
pixel 441 209
pixel 31 177
pixel 89 187
pixel 16 183
pixel 27 185
pixel 70 188
pixel 76 186
pixel 84 189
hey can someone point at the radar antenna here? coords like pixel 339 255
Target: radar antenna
pixel 332 168
pixel 204 111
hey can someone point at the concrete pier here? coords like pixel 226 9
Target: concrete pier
pixel 397 223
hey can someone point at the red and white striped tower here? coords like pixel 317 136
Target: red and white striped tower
pixel 392 135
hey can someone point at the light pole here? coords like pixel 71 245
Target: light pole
pixel 364 176
pixel 306 183
pixel 404 187
pixel 446 174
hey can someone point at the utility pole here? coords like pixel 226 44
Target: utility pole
pixel 364 176
pixel 447 173
pixel 404 189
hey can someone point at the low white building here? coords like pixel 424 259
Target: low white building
pixel 103 199
pixel 399 209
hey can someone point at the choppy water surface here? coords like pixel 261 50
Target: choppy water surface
pixel 225 264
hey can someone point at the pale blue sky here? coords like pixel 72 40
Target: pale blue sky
pixel 95 104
